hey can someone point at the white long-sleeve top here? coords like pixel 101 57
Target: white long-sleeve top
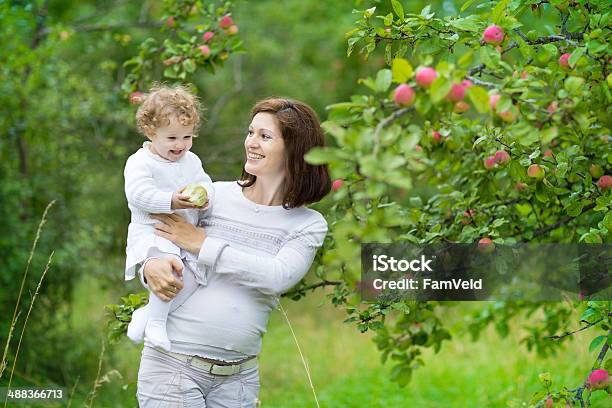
pixel 150 181
pixel 251 254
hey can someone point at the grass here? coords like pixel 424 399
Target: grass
pixel 346 369
pixel 345 364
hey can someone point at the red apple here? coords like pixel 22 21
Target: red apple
pixel 486 245
pixel 552 107
pixel 456 94
pixel 204 50
pixel 548 153
pixel 598 379
pixel 605 182
pixel 337 184
pixel 535 171
pixel 520 186
pixel 170 21
pixel 502 157
pixel 493 35
pixel 404 95
pixel 489 162
pixel 564 61
pixel 425 76
pixel 225 21
pixel 207 36
pixel 493 99
pixel 435 137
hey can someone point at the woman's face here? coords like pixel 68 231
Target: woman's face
pixel 265 147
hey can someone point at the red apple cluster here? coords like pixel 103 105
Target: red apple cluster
pixel 501 158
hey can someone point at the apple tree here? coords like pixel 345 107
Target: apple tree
pixel 479 128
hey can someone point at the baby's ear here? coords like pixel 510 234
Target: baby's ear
pixel 149 132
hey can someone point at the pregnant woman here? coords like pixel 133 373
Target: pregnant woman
pixel 256 242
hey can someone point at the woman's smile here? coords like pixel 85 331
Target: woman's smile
pixel 254 156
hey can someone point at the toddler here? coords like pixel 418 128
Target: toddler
pixel 154 180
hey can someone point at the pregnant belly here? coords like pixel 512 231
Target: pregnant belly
pixel 222 315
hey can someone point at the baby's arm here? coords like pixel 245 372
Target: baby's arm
pixel 141 191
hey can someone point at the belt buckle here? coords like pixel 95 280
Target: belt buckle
pixel 223 370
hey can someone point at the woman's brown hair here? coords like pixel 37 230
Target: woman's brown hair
pixel 301 131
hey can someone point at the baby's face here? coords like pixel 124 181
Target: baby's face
pixel 173 141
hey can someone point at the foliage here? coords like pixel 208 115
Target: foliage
pixel 413 169
pixel 120 314
pixel 185 47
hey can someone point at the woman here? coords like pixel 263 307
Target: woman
pixel 256 242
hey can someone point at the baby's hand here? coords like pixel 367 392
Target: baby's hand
pixel 181 201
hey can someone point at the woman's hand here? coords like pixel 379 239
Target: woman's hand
pixel 160 277
pixel 176 229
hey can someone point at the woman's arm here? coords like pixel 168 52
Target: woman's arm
pixel 269 274
pixel 272 275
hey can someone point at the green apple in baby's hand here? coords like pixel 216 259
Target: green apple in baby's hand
pixel 197 194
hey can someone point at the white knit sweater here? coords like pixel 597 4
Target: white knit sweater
pixel 252 253
pixel 150 181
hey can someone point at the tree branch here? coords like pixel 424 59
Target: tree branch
pixel 560 336
pixel 561 222
pixel 391 118
pixel 311 287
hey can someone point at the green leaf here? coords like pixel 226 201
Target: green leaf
pixel 351 45
pixel 574 209
pixel 402 70
pixel 439 89
pixel 466 59
pixel 575 56
pixel 469 23
pixel 549 134
pixel 430 46
pixel 170 72
pixel 499 10
pixel 596 342
pixel 383 80
pixel 479 97
pixel 466 5
pixel 397 7
pixel 319 155
pixel 189 65
pixel 524 48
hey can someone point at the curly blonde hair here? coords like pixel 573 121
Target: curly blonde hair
pixel 163 102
